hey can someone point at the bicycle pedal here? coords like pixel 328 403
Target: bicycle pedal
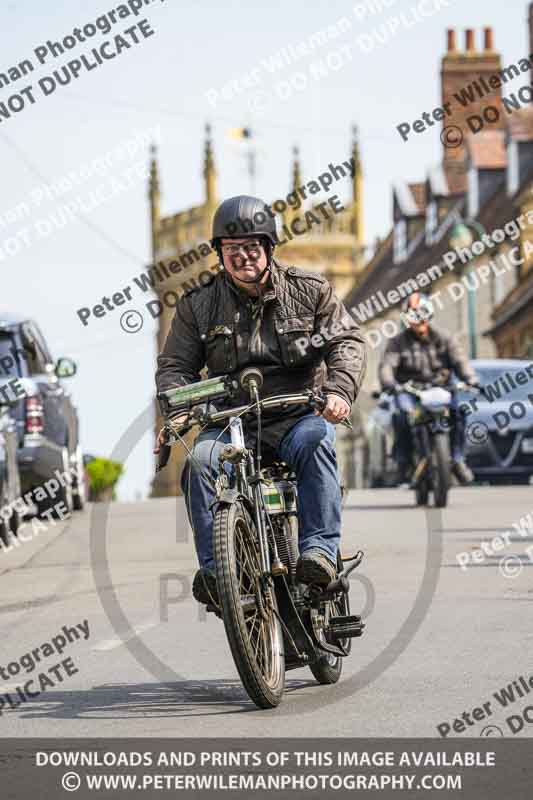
pixel 345 627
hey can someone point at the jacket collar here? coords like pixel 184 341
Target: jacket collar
pixel 271 291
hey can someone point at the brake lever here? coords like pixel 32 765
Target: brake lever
pixel 319 403
pixel 164 451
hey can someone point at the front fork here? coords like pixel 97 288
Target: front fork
pixel 250 486
pixel 423 436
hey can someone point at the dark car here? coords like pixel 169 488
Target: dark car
pixel 500 422
pixel 9 472
pixel 46 418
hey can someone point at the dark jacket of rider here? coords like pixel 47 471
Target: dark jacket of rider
pixel 410 357
pixel 298 334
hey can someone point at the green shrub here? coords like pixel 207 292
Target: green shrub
pixel 103 474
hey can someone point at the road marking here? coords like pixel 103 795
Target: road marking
pixel 112 644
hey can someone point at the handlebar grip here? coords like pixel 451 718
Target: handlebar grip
pixel 164 455
pixel 319 402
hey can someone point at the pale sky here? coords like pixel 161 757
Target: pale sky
pixel 161 88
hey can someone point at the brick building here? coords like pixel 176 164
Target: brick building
pixel 484 185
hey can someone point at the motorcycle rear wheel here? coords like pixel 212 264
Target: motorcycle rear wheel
pixel 422 492
pixel 328 668
pixel 249 608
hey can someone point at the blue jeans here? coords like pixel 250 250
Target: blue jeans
pixel 403 444
pixel 308 447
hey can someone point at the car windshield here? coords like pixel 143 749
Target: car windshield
pixel 9 363
pixel 503 384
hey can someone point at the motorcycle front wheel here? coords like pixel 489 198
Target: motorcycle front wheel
pixel 441 459
pixel 248 606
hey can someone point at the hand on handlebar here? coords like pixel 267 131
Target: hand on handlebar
pixel 175 423
pixel 335 410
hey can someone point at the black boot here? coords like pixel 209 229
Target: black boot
pixel 315 567
pixel 204 587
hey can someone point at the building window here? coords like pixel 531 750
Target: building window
pixel 431 222
pixel 400 241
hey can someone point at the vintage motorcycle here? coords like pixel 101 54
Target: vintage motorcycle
pixel 273 624
pixel 430 420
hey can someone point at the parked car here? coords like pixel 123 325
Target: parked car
pixel 380 469
pixel 500 427
pixel 46 418
pixel 9 472
pixel 496 452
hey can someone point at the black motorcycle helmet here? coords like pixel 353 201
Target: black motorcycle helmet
pixel 245 216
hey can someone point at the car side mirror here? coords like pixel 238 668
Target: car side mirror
pixel 65 368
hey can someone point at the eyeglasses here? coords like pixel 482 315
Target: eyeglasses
pixel 253 246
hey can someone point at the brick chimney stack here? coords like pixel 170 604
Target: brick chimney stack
pixel 466 73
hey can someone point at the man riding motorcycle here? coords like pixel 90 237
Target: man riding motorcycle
pixel 424 354
pixel 288 323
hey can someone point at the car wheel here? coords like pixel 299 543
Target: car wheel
pixel 14 522
pixel 79 484
pixel 5 530
pixel 64 494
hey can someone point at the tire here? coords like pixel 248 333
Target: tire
pixel 440 459
pixel 4 533
pixel 5 527
pixel 64 494
pixel 328 668
pixel 79 485
pixel 256 643
pixel 422 493
pixel 14 522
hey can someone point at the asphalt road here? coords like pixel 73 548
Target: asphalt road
pixel 439 641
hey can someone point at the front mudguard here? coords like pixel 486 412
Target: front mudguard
pixel 229 497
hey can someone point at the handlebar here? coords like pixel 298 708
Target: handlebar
pixel 416 389
pixel 200 417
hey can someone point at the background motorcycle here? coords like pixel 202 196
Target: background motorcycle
pixel 430 421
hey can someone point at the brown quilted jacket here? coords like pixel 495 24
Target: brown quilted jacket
pixel 219 326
